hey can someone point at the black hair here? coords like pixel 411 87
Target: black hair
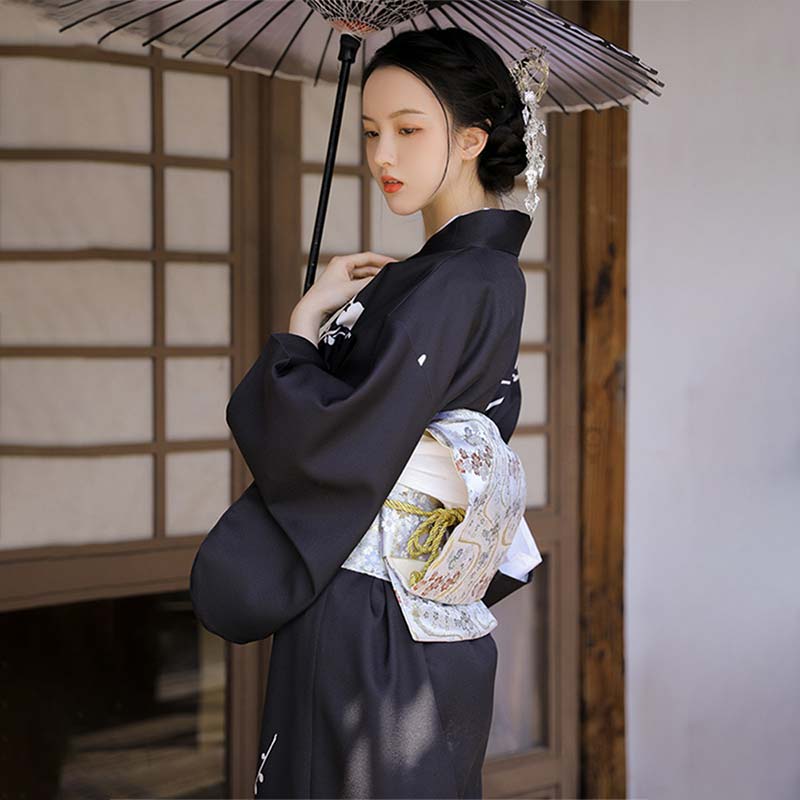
pixel 469 78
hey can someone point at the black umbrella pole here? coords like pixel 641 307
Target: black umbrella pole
pixel 348 47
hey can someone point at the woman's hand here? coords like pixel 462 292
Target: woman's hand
pixel 343 277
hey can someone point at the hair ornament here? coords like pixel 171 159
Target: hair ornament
pixel 531 90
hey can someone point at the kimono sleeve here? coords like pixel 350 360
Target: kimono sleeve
pixel 502 585
pixel 324 455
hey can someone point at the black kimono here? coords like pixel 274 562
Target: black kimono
pixel 354 706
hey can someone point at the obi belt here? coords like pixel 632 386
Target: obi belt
pixel 461 474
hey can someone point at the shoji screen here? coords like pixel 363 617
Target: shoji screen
pixel 120 276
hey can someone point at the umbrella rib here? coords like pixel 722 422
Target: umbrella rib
pixel 618 52
pixel 508 11
pixel 289 45
pixel 221 26
pixel 555 57
pixel 430 17
pixel 136 19
pixel 94 14
pixel 322 58
pixel 258 32
pixel 185 20
pixel 441 10
pixel 576 31
pixel 624 87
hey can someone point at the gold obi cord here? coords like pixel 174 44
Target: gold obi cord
pixel 436 525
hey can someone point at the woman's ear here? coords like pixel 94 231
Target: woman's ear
pixel 473 140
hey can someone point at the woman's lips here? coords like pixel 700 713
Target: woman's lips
pixel 390 188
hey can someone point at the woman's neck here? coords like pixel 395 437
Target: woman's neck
pixel 435 218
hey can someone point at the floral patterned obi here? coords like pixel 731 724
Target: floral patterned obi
pixel 445 603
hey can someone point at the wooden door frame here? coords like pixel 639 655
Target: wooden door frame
pixel 603 348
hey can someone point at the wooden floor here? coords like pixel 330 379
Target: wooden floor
pixel 171 756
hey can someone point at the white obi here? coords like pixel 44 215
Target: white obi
pixel 460 461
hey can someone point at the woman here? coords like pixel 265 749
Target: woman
pixel 330 414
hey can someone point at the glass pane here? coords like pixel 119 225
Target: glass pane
pixel 76 401
pixel 534 248
pixel 76 303
pixel 394 234
pixel 71 205
pixel 55 102
pixel 532 450
pixel 24 24
pixel 198 390
pixel 57 501
pixel 342 232
pixel 198 490
pixel 317 108
pixel 196 114
pixel 519 721
pixel 198 299
pixel 121 697
pixel 534 323
pixel 197 208
pixel 533 380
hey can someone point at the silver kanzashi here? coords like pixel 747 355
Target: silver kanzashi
pixel 531 90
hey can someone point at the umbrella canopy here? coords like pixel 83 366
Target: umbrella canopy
pixel 294 39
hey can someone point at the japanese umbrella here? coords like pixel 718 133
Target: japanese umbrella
pixel 292 39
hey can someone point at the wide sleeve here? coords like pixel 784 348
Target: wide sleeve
pixel 324 455
pixel 321 451
pixel 502 585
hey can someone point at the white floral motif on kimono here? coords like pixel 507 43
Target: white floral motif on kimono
pixel 260 775
pixel 341 321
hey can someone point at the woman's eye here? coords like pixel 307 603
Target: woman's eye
pixel 370 134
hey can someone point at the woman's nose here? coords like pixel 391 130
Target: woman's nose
pixel 384 155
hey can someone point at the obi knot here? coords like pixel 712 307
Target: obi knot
pixel 437 521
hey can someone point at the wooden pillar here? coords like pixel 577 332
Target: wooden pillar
pixel 604 152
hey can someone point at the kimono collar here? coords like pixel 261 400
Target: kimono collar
pixel 496 228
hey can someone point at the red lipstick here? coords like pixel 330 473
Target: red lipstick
pixel 391 184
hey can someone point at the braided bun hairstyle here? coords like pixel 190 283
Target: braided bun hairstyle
pixel 469 79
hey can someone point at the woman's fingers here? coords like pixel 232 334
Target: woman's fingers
pixel 360 272
pixel 369 258
pixel 365 259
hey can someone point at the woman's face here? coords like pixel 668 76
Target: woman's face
pixel 405 135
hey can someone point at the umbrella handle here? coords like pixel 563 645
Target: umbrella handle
pixel 348 47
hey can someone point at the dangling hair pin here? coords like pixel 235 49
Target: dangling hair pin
pixel 523 70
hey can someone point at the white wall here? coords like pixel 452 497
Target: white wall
pixel 713 460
